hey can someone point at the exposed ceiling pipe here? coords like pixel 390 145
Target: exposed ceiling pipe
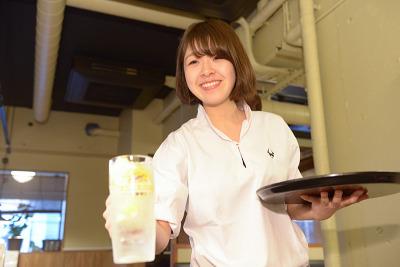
pixel 263 14
pixel 49 18
pixel 130 11
pixel 318 129
pixel 291 113
pixel 314 88
pixel 293 37
pixel 283 83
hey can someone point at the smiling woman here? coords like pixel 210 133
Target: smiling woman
pixel 212 165
pixel 216 41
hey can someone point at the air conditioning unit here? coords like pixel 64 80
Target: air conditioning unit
pixel 270 46
pixel 110 84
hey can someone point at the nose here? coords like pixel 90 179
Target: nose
pixel 207 67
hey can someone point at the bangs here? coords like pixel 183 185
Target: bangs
pixel 206 43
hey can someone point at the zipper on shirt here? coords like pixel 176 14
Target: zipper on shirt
pixel 240 153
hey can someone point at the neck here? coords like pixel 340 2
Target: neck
pixel 227 112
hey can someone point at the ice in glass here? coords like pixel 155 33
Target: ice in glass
pixel 132 209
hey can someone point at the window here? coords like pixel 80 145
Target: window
pixel 33 210
pixel 312 231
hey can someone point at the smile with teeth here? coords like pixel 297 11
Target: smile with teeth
pixel 211 84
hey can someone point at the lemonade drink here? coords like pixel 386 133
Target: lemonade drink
pixel 132 209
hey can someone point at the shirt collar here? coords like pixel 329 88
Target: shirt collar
pixel 202 115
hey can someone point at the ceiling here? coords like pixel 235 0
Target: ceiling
pixel 100 37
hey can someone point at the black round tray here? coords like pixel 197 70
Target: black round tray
pixel 377 184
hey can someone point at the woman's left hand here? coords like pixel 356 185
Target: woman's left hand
pixel 322 207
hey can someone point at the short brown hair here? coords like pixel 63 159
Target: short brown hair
pixel 215 38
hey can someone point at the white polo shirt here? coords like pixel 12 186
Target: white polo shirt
pixel 201 170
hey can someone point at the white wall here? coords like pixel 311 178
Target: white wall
pixel 139 134
pixel 360 69
pixel 62 145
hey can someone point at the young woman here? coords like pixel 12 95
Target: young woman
pixel 212 165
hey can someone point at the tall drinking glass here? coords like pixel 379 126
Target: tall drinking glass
pixel 132 209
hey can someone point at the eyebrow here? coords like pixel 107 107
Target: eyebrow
pixel 191 54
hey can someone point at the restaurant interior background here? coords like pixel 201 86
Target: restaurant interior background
pixel 83 81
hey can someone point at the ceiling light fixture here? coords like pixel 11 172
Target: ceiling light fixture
pixel 22 176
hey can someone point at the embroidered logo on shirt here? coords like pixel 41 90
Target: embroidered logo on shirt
pixel 271 153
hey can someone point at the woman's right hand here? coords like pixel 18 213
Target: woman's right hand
pixel 106 215
pixel 129 222
pixel 163 229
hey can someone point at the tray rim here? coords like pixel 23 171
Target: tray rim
pixel 365 177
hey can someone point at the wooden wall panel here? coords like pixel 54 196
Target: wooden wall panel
pixel 70 259
pixel 43 259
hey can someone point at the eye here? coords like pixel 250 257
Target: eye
pixel 218 57
pixel 192 61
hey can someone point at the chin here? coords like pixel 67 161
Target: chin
pixel 215 99
pixel 213 103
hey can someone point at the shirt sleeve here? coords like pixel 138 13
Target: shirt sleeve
pixel 294 154
pixel 170 179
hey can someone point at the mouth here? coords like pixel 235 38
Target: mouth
pixel 210 84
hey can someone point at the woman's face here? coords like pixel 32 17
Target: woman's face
pixel 210 79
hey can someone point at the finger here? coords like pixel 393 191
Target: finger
pixel 363 197
pixel 337 198
pixel 309 198
pixel 353 198
pixel 105 214
pixel 324 198
pixel 108 201
pixel 107 225
pixel 356 195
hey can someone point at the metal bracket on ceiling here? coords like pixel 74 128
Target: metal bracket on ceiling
pixel 93 129
pixel 3 119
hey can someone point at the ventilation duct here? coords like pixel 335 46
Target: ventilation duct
pixel 49 18
pixel 111 84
